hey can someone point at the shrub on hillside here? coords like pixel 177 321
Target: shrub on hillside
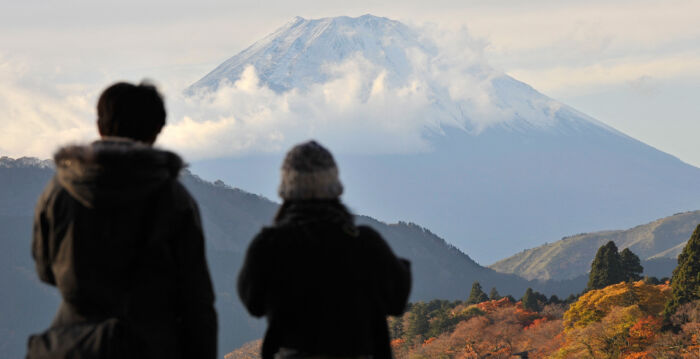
pixel 618 321
pixel 594 305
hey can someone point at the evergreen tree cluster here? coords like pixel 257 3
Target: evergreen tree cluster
pixel 531 300
pixel 534 301
pixel 426 320
pixel 685 282
pixel 611 267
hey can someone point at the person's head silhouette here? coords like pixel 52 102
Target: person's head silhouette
pixel 131 111
pixel 309 172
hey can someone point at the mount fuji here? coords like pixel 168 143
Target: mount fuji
pixel 497 167
pixel 293 56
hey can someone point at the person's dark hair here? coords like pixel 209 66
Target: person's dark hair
pixel 132 111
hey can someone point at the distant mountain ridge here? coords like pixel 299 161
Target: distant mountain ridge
pixel 8 162
pixel 231 217
pixel 498 163
pixel 657 244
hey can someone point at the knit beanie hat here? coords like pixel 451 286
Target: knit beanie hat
pixel 309 172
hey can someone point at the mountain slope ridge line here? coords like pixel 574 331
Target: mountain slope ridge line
pixel 655 242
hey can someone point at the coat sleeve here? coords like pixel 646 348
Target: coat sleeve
pixel 41 245
pixel 393 274
pixel 253 277
pixel 199 320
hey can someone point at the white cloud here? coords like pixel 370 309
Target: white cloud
pixel 353 112
pixel 586 79
pixel 584 47
pixel 590 28
pixel 37 115
pixel 357 110
pixel 644 85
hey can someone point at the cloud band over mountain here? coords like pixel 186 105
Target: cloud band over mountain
pixel 391 85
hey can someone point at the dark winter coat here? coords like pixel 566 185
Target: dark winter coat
pixel 119 235
pixel 325 285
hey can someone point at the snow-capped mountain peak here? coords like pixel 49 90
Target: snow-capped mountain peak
pixel 458 87
pixel 294 55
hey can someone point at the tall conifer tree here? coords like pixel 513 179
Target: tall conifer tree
pixel 606 268
pixel 685 281
pixel 477 294
pixel 493 295
pixel 631 265
pixel 418 324
pixel 530 301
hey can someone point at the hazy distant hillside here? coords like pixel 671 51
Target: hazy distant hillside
pixel 25 304
pixel 231 218
pixel 657 243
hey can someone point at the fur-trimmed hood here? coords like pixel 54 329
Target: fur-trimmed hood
pixel 114 171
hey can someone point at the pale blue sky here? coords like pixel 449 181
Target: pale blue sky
pixel 634 65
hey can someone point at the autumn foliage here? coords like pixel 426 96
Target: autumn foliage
pixel 250 350
pixel 621 321
pixel 493 305
pixel 596 304
pixel 624 320
pixel 494 329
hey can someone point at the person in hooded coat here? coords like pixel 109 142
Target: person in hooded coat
pixel 325 284
pixel 120 236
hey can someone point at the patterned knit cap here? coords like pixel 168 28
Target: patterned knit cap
pixel 309 172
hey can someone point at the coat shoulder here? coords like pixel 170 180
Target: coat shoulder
pixel 179 196
pixel 369 232
pixel 266 235
pixel 370 236
pixel 54 194
pixel 372 240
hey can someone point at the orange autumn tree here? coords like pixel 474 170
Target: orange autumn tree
pixel 596 304
pixel 640 355
pixel 478 337
pixel 616 321
pixel 643 333
pixel 492 305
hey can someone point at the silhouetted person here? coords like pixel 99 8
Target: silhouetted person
pixel 120 237
pixel 325 284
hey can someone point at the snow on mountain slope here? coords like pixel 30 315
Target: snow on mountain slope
pixel 460 89
pixel 293 56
